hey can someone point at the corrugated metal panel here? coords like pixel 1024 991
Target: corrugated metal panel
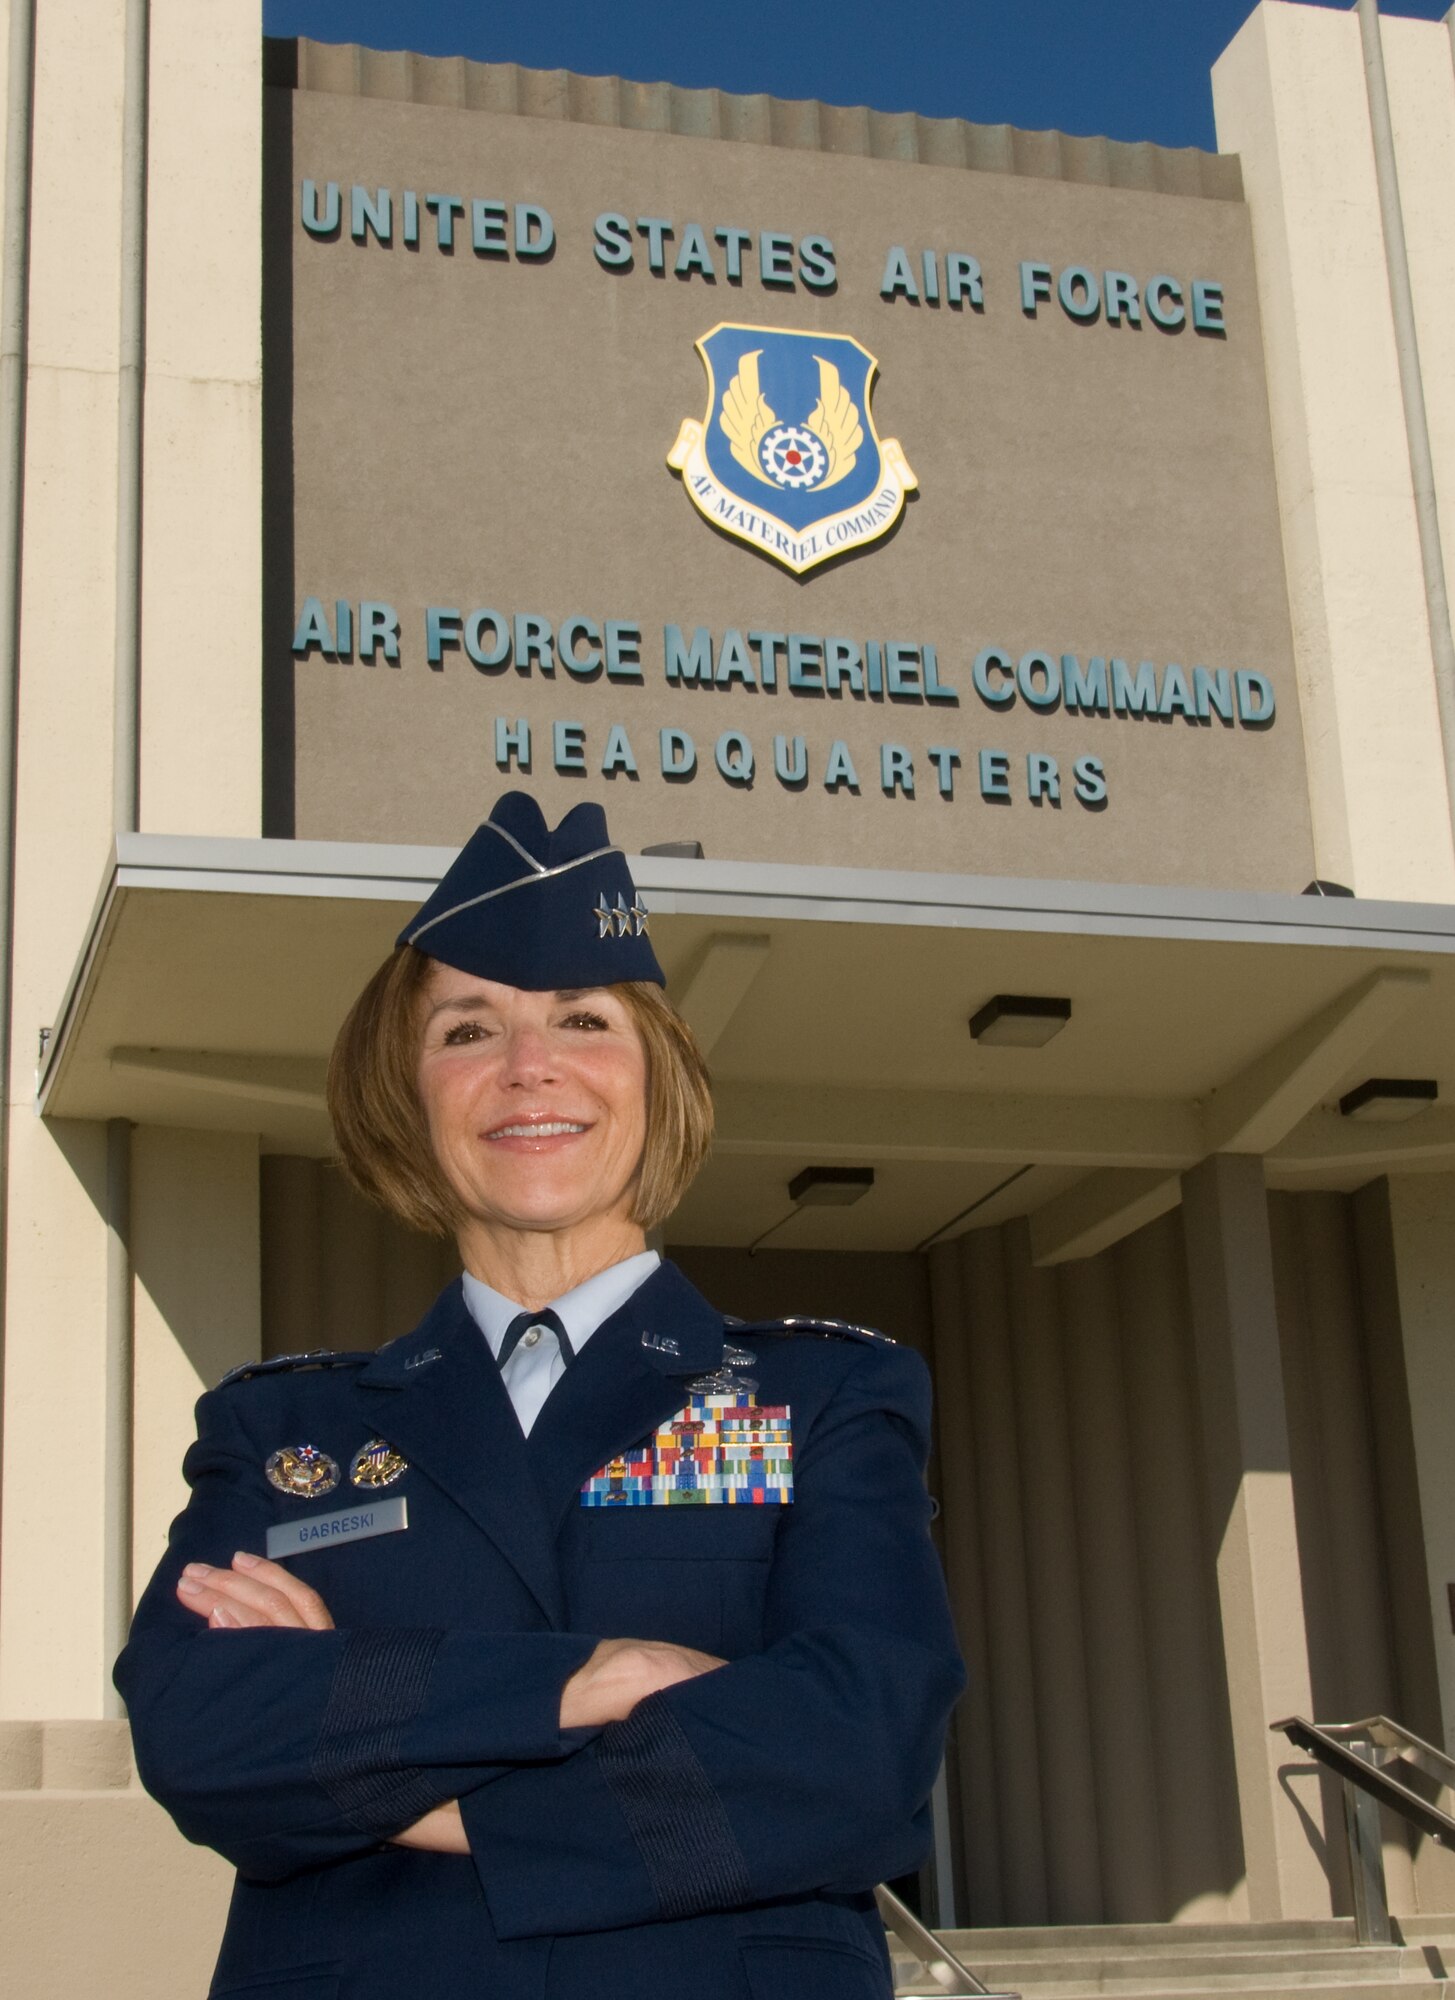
pixel 349 70
pixel 1093 1747
pixel 1080 1561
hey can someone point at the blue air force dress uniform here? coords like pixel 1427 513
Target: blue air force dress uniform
pixel 478 1503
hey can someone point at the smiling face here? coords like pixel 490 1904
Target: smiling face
pixel 536 1105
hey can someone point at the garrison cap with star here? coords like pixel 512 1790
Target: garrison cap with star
pixel 538 909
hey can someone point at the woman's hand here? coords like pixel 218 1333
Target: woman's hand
pixel 253 1592
pixel 439 1832
pixel 619 1673
pixel 622 1672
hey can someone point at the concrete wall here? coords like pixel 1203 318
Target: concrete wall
pixel 536 482
pixel 98 1892
pixel 200 757
pixel 1291 100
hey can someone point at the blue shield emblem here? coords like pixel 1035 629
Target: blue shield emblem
pixel 787 457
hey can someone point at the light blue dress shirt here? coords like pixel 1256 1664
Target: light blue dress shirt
pixel 538 1364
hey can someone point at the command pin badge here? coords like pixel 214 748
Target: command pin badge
pixel 377 1464
pixel 303 1471
pixel 721 1382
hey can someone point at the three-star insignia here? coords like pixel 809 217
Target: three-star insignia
pixel 619 920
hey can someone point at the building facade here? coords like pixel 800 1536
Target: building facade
pixel 972 567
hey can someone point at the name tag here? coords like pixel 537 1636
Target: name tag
pixel 349 1524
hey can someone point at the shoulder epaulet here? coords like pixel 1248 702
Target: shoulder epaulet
pixel 816 1329
pixel 282 1364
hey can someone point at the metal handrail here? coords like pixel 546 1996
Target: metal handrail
pixel 952 1979
pixel 1359 1754
pixel 1332 1743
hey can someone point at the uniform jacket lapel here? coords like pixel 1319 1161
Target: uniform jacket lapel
pixel 437 1396
pixel 630 1377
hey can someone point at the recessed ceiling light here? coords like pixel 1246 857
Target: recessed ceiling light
pixel 1389 1100
pixel 830 1187
pixel 1020 1020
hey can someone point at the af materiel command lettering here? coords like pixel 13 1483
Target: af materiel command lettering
pixel 801 665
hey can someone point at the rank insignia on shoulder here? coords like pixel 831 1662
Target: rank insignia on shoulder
pixel 302 1471
pixel 818 1329
pixel 377 1464
pixel 283 1364
pixel 723 1450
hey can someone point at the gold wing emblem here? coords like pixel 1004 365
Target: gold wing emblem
pixel 746 416
pixel 835 423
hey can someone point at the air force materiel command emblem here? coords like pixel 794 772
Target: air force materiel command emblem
pixel 787 457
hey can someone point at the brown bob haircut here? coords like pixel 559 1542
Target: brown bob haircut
pixel 379 1122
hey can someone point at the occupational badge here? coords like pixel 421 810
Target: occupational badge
pixel 787 457
pixel 377 1464
pixel 303 1471
pixel 722 1381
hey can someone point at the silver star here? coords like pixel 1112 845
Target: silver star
pixel 639 918
pixel 602 914
pixel 622 916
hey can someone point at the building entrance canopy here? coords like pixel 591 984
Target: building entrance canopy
pixel 834 1005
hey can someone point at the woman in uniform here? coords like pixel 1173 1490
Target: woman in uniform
pixel 580 1641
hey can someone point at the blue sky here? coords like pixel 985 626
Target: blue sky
pixel 1133 69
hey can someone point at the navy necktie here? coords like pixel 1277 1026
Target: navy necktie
pixel 522 1324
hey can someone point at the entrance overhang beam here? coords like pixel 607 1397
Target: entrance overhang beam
pixel 1324 1140
pixel 955 1127
pixel 1100 1211
pixel 1258 1108
pixel 1253 1113
pixel 720 983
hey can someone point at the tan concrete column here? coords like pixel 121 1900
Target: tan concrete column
pixel 1422 1237
pixel 1250 1498
pixel 195 1255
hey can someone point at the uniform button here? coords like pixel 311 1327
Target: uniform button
pixel 530 1337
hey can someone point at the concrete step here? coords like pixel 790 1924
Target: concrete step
pixel 911 1979
pixel 1312 1960
pixel 1125 1971
pixel 1287 1935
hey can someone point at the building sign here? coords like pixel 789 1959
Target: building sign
pixel 1037 627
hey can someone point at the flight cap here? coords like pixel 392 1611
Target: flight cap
pixel 538 909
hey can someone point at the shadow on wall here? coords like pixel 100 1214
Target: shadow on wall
pixel 336 1271
pixel 888 1290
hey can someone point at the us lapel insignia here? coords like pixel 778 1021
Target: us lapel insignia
pixel 377 1464
pixel 723 1450
pixel 302 1471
